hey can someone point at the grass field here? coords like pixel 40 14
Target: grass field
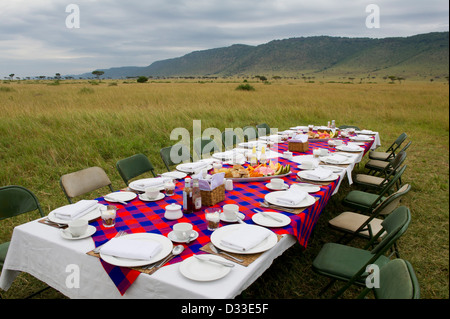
pixel 48 129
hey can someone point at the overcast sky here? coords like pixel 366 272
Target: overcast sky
pixel 38 37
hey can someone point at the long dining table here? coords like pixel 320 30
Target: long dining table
pixel 71 267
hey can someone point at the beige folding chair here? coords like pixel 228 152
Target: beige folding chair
pixel 84 181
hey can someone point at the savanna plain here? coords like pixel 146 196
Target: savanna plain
pixel 48 129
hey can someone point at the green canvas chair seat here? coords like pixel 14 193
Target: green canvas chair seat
pixel 397 281
pixel 3 250
pixel 134 166
pixel 365 201
pixel 174 155
pixel 342 262
pixel 346 263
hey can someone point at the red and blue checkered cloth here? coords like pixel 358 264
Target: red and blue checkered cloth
pixel 139 216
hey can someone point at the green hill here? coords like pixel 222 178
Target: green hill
pixel 418 56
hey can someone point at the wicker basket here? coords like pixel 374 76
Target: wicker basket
pixel 298 147
pixel 210 198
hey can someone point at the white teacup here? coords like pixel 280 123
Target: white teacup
pixel 338 142
pixel 182 230
pixel 78 227
pixel 230 211
pixel 277 182
pixel 287 155
pixel 323 152
pixel 151 192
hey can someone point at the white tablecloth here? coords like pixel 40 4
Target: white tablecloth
pixel 41 251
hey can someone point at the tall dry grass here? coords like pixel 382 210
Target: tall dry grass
pixel 50 130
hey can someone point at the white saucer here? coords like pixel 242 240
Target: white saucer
pixel 144 197
pixel 270 186
pixel 65 233
pixel 175 239
pixel 305 169
pixel 224 219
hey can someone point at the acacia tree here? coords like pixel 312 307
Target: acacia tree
pixel 98 73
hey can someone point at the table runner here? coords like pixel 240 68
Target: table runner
pixel 139 216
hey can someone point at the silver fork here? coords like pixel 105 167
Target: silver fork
pixel 218 251
pixel 120 233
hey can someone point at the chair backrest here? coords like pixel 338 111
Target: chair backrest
pixel 406 146
pixel 175 154
pixel 397 281
pixel 392 201
pixel 205 145
pixel 84 181
pixel 263 129
pixel 17 200
pixel 134 166
pixel 388 187
pixel 250 133
pixel 397 143
pixel 395 226
pixel 230 139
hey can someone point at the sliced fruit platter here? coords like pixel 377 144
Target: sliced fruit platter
pixel 322 135
pixel 261 172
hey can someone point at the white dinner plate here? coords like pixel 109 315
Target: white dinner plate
pixel 249 145
pixel 265 221
pixel 174 175
pixel 271 198
pixel 345 149
pixel 141 184
pixel 331 178
pixel 65 233
pixel 119 197
pixel 91 215
pixel 126 262
pixel 309 188
pixel 199 270
pixel 144 197
pixel 224 231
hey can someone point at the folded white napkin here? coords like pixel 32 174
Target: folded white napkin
pixel 300 138
pixel 131 248
pixel 293 196
pixel 245 238
pixel 76 210
pixel 319 173
pixel 350 147
pixel 150 182
pixel 336 159
pixel 193 166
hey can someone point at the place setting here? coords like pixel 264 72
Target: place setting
pixel 78 229
pixel 84 209
pixel 270 219
pixel 318 175
pixel 141 184
pixel 203 268
pixel 277 184
pixel 194 168
pixel 151 194
pixel 183 233
pixel 352 148
pixel 121 197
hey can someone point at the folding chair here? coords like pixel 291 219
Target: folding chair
pixel 230 139
pixel 174 155
pixel 397 280
pixel 204 145
pixel 390 152
pixel 348 264
pixel 263 129
pixel 250 133
pixel 84 181
pixel 134 166
pixel 378 166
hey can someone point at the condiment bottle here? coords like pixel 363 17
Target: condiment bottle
pixel 196 196
pixel 188 206
pixel 253 159
pixel 263 158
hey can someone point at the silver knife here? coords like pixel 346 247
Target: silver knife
pixel 268 215
pixel 220 262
